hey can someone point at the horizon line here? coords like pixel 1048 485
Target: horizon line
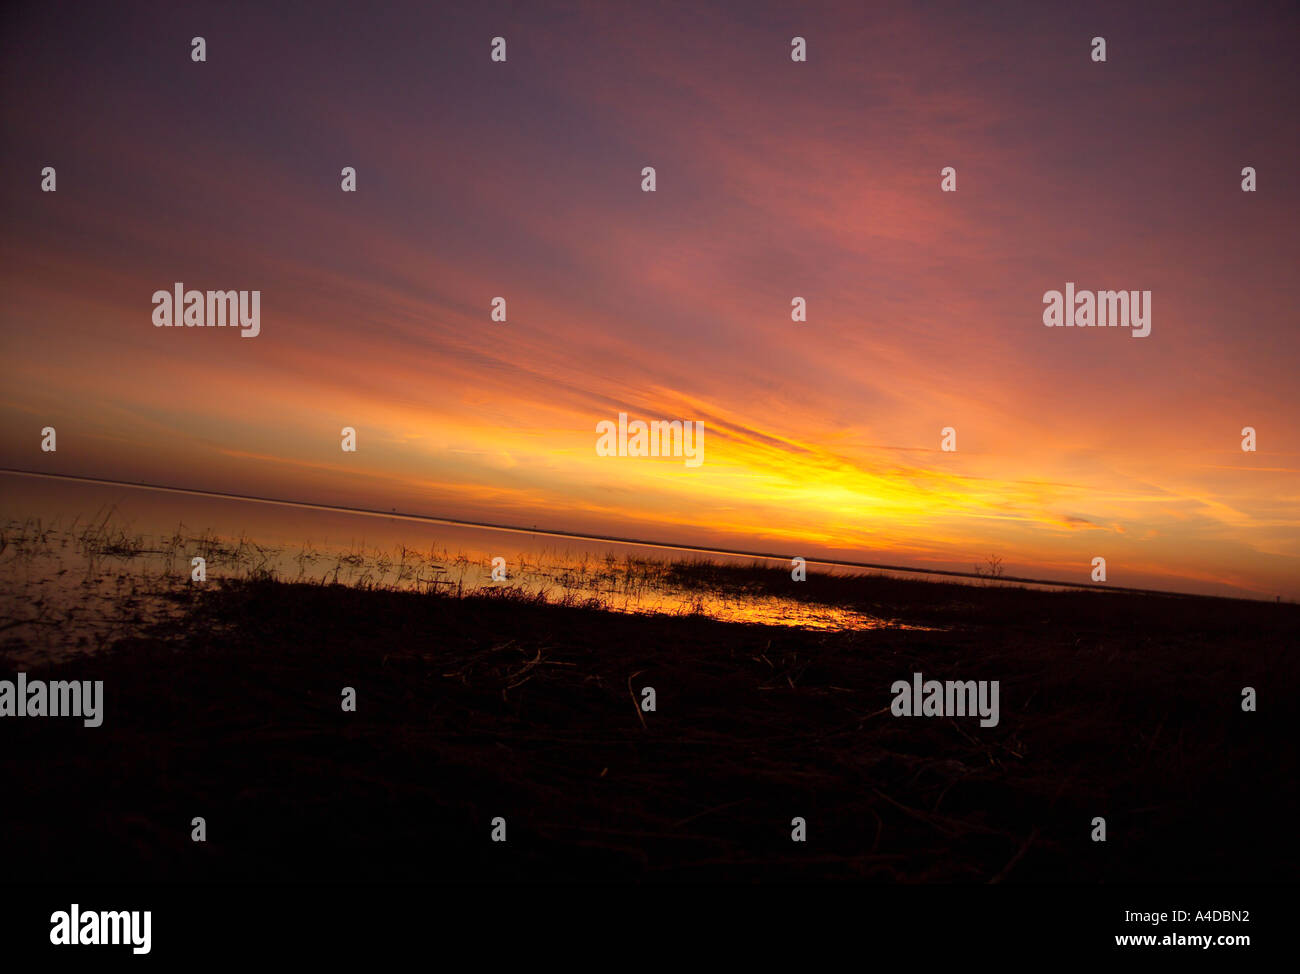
pixel 517 529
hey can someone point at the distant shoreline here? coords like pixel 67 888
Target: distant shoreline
pixel 614 539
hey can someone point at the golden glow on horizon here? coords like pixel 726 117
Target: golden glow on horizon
pixel 821 436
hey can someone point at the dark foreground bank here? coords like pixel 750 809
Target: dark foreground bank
pixel 1126 708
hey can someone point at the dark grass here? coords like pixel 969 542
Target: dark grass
pixel 1122 706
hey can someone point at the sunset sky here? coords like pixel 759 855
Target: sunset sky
pixel 775 179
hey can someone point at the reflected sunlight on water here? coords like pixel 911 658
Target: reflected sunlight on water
pixel 82 564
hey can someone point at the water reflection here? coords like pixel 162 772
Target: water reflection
pixel 84 564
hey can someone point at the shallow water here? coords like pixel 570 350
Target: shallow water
pixel 83 563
